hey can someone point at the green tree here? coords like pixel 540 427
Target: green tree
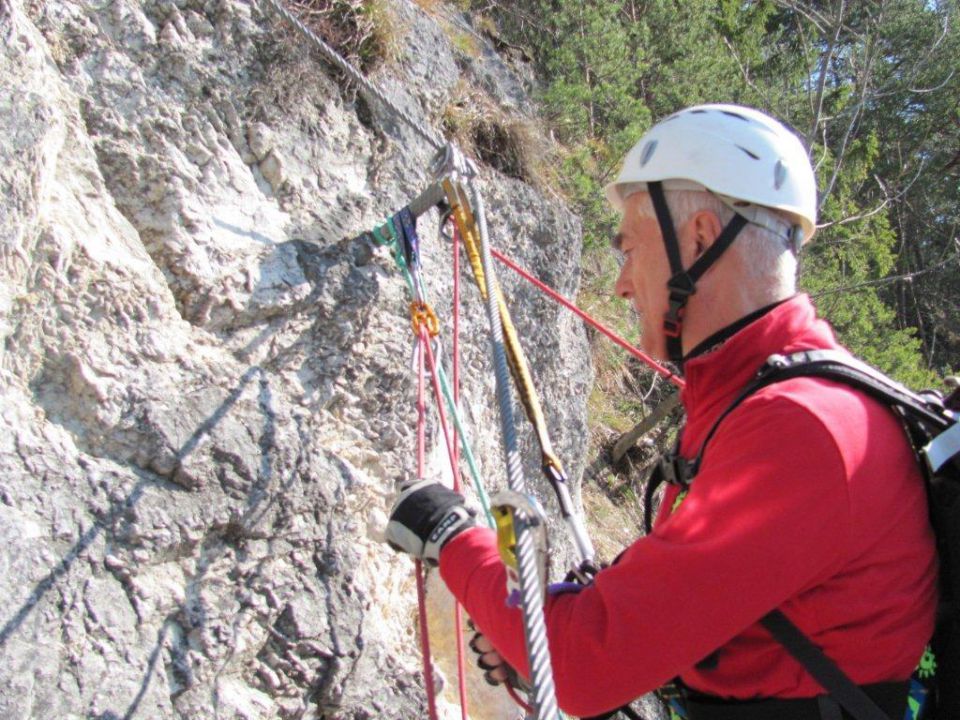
pixel 871 86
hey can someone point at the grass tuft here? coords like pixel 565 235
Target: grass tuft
pixel 514 145
pixel 362 31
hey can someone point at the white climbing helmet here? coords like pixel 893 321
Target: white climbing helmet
pixel 741 155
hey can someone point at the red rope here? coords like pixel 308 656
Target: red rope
pixel 438 393
pixel 517 699
pixel 636 352
pixel 456 338
pixel 457 610
pixel 418 565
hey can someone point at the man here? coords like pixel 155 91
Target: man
pixel 808 498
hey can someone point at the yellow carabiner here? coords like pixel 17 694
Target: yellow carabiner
pixel 422 315
pixel 506 535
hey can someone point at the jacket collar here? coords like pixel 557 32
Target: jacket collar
pixel 714 377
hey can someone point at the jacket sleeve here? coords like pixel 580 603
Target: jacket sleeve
pixel 762 522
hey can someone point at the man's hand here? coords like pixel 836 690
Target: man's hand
pixel 424 517
pixel 496 670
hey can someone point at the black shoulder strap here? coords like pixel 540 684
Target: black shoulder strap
pixel 841 688
pixel 838 366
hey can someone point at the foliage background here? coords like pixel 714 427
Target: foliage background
pixel 873 89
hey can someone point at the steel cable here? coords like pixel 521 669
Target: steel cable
pixel 354 74
pixel 543 698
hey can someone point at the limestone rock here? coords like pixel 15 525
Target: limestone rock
pixel 206 387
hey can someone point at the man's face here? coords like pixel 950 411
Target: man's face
pixel 645 272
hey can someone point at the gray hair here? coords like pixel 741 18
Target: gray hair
pixel 763 247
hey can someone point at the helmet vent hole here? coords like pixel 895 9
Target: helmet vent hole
pixel 698 112
pixel 738 116
pixel 647 153
pixel 748 152
pixel 779 174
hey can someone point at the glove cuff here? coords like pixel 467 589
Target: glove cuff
pixel 453 523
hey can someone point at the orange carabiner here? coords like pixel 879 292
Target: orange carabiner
pixel 422 315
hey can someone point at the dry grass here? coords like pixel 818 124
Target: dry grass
pixel 362 31
pixel 515 146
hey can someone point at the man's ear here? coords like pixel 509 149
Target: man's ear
pixel 705 227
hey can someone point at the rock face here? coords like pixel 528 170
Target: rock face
pixel 206 386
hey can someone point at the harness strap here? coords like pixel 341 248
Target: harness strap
pixel 671 469
pixel 891 696
pixel 829 710
pixel 850 695
pixel 683 283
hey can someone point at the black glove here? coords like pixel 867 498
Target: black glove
pixel 496 670
pixel 424 517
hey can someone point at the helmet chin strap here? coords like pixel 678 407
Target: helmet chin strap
pixel 683 283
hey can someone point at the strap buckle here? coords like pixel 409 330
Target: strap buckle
pixel 673 321
pixel 681 287
pixel 676 470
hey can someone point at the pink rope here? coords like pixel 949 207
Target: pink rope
pixel 425 642
pixel 451 452
pixel 438 393
pixel 418 565
pixel 635 351
pixel 457 609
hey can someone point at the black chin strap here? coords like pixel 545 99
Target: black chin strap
pixel 683 283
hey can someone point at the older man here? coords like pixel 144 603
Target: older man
pixel 808 499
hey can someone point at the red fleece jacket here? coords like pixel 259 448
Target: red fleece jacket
pixel 808 500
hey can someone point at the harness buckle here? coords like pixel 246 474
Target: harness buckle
pixel 681 287
pixel 676 470
pixel 673 318
pixel 672 327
